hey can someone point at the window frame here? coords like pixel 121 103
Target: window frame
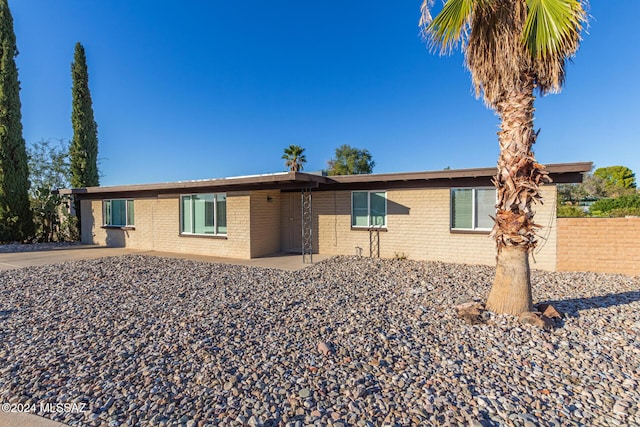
pixel 127 215
pixel 215 225
pixel 474 209
pixel 386 210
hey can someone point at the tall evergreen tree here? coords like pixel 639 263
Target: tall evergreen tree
pixel 83 152
pixel 16 219
pixel 84 146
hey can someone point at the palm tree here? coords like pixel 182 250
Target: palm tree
pixel 294 158
pixel 512 48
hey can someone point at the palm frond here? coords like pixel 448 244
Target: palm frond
pixel 425 16
pixel 449 26
pixel 553 27
pixel 294 158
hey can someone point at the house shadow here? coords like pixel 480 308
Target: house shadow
pixel 394 208
pixel 572 307
pixel 116 238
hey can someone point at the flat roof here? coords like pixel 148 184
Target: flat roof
pixel 273 180
pixel 558 168
pixel 560 173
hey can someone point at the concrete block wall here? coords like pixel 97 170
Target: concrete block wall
pixel 601 245
pixel 91 212
pixel 545 255
pixel 265 222
pixel 418 226
pixel 157 227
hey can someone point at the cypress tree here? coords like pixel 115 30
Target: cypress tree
pixel 16 218
pixel 83 151
pixel 84 146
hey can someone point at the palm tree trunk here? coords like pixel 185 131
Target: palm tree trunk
pixel 511 291
pixel 517 182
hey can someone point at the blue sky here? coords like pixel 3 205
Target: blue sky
pixel 205 89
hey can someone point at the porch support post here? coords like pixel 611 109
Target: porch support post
pixel 307 227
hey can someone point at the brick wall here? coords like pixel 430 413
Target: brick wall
pixel 603 245
pixel 157 227
pixel 91 212
pixel 418 226
pixel 265 223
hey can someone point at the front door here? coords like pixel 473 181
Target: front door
pixel 295 223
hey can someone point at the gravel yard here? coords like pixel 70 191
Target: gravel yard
pixel 143 340
pixel 34 247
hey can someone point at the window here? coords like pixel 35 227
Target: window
pixel 472 208
pixel 203 214
pixel 368 209
pixel 117 213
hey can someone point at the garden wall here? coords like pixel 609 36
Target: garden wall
pixel 603 245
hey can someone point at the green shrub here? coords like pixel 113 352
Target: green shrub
pixel 603 207
pixel 622 212
pixel 566 211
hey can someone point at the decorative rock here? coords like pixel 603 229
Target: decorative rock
pixel 549 311
pixel 115 334
pixel 255 422
pixel 324 348
pixel 471 312
pixel 620 408
pixel 304 393
pixel 535 319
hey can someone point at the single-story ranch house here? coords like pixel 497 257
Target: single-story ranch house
pixel 439 216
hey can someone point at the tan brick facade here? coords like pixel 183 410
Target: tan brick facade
pixel 265 223
pixel 603 245
pixel 418 226
pixel 157 227
pixel 268 221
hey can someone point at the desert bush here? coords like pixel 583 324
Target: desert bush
pixel 622 212
pixel 603 207
pixel 566 211
pixel 400 256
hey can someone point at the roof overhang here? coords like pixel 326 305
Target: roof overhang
pixel 561 173
pixel 284 180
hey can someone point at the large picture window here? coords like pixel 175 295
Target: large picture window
pixel 117 213
pixel 472 208
pixel 368 209
pixel 203 214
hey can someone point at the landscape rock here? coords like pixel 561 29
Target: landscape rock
pixel 243 347
pixel 325 348
pixel 534 318
pixel 470 312
pixel 549 311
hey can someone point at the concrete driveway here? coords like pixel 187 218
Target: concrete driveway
pixel 25 419
pixel 9 261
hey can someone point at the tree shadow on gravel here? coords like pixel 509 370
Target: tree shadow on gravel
pixel 572 307
pixel 487 422
pixel 4 314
